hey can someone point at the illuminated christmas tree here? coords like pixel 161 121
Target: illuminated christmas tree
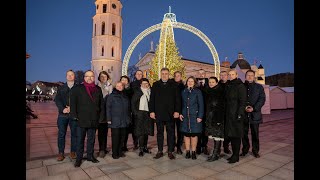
pixel 166 52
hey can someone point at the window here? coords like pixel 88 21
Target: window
pixel 104 8
pixel 111 68
pixel 113 29
pixel 102 51
pixel 95 29
pixel 103 28
pixel 102 68
pixel 112 52
pixel 97 6
pixel 114 6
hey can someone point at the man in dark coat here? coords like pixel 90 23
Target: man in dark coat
pixel 203 83
pixel 236 98
pixel 164 106
pixel 62 101
pixel 223 82
pixel 134 85
pixel 255 101
pixel 178 81
pixel 87 106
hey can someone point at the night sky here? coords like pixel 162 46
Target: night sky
pixel 58 33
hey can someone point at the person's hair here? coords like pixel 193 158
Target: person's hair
pixel 177 72
pixel 104 73
pixel 137 71
pixel 215 78
pixel 165 69
pixel 70 70
pixel 234 71
pixel 88 71
pixel 144 79
pixel 223 72
pixel 124 76
pixel 118 83
pixel 194 79
pixel 250 70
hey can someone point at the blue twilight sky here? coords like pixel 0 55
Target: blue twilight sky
pixel 58 33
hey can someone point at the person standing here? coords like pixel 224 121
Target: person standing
pixel 179 139
pixel 192 112
pixel 164 107
pixel 144 125
pixel 256 99
pixel 214 96
pixel 106 88
pixel 62 101
pixel 202 146
pixel 134 85
pixel 128 91
pixel 223 82
pixel 87 106
pixel 118 114
pixel 236 98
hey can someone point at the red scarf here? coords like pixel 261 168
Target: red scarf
pixel 91 88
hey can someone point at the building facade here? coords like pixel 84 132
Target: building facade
pixel 107 39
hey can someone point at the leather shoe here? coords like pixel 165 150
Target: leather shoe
pixel 77 163
pixel 73 155
pixel 188 156
pixel 158 155
pixel 141 153
pixel 93 160
pixel 122 155
pixel 256 155
pixel 125 149
pixel 233 160
pixel 171 156
pixel 179 151
pixel 60 157
pixel 115 157
pixel 102 154
pixel 146 150
pixel 193 155
pixel 243 154
pixel 198 150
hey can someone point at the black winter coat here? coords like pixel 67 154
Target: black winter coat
pixel 143 125
pixel 256 99
pixel 165 99
pixel 63 98
pixel 88 112
pixel 215 111
pixel 236 98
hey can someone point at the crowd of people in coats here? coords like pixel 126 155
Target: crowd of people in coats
pixel 192 112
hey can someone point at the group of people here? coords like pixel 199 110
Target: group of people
pixel 192 113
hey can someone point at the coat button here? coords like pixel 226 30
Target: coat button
pixel 187 106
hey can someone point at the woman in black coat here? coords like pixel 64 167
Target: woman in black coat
pixel 144 125
pixel 118 117
pixel 214 95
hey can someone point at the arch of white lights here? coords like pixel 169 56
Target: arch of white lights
pixel 179 25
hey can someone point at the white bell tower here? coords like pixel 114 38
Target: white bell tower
pixel 107 39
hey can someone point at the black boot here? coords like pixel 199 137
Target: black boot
pixel 188 156
pixel 215 155
pixel 193 156
pixel 141 153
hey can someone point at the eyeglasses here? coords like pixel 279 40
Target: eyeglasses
pixel 88 76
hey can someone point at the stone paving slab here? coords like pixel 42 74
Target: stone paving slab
pixel 197 172
pixel 78 174
pixel 232 175
pixel 141 173
pixel 283 173
pixel 36 172
pixel 94 172
pixel 33 164
pixel 174 176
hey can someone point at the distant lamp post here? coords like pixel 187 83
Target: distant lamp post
pixel 27 55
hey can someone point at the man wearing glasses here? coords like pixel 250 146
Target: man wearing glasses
pixel 88 108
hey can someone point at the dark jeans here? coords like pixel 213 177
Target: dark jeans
pixel 170 135
pixel 254 128
pixel 63 123
pixel 91 133
pixel 179 134
pixel 202 138
pixel 143 141
pixel 103 136
pixel 118 135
